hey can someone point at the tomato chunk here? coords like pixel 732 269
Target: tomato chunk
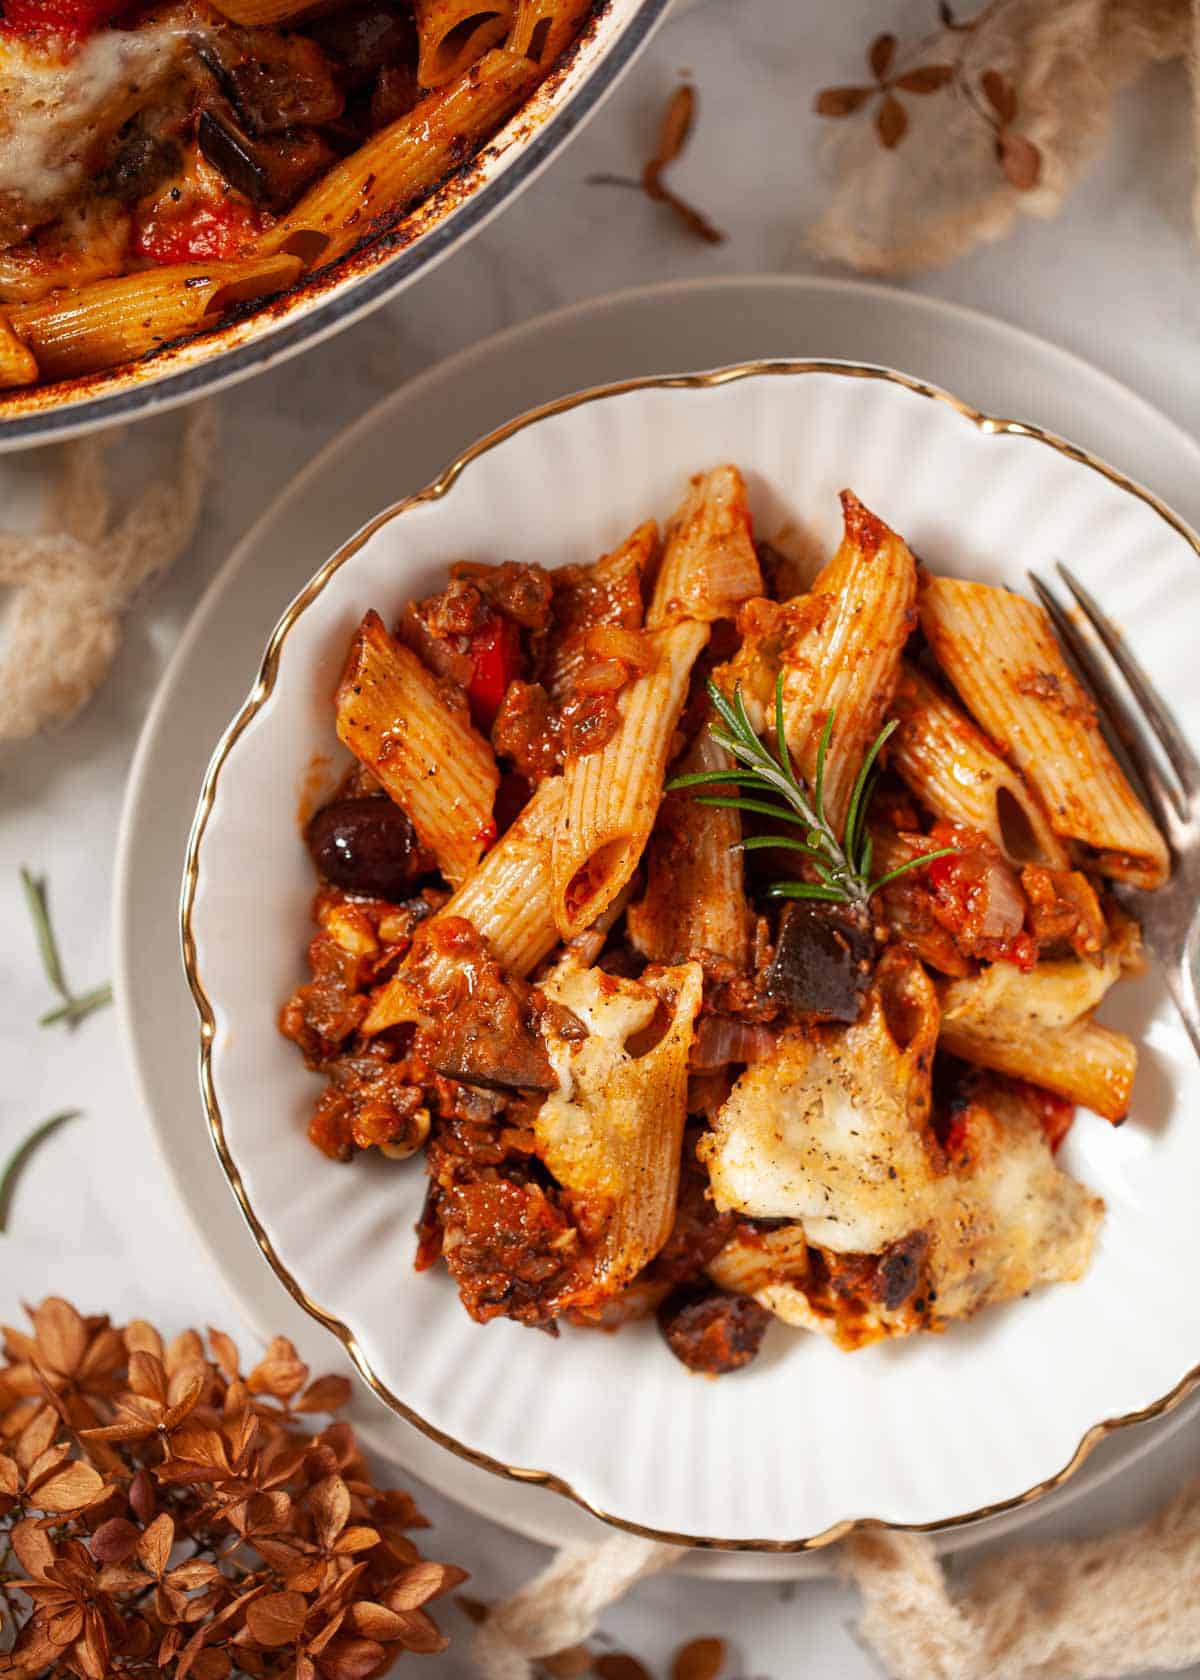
pixel 205 233
pixel 72 19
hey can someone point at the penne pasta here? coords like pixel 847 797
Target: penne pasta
pixel 955 773
pixel 454 33
pixel 507 902
pixel 709 566
pixel 403 160
pixel 257 13
pixel 609 592
pixel 838 649
pixel 611 796
pixel 999 651
pixel 544 27
pixel 18 365
pixel 1038 1026
pixel 397 722
pixel 695 897
pixel 118 320
pixel 614 1128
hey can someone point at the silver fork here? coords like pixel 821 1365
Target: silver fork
pixel 1170 917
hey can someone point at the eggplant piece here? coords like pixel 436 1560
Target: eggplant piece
pixel 271 173
pixel 823 960
pixel 367 38
pixel 282 82
pixel 713 1333
pixel 142 161
pixel 489 1039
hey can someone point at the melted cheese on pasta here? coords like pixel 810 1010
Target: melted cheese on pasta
pixel 56 113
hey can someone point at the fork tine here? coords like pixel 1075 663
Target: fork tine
pixel 1161 796
pixel 1170 737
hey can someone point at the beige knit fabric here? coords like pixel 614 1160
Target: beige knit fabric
pixel 940 190
pixel 60 630
pixel 1073 1610
pixel 560 1606
pixel 1077 1610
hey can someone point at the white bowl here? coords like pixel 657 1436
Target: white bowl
pixel 787 1454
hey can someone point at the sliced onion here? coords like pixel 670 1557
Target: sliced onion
pixel 721 1039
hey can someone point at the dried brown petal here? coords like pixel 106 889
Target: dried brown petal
pixel 66 1626
pixel 699 1659
pixel 36 1436
pixel 1000 95
pixel 281 1372
pixel 326 1394
pixel 122 1578
pixel 352 1659
pixel 114 1541
pixel 928 78
pixel 421 1633
pixel 880 55
pixel 568 1664
pixel 320 1640
pixel 183 1393
pixel 330 1505
pixel 212 1665
pixel 423 1582
pixel 277 1619
pixel 186 1349
pixel 841 101
pixel 95 1652
pixel 141 1337
pixel 474 1609
pixel 141 1497
pixel 224 1350
pixel 105 1356
pixel 192 1574
pixel 44 1466
pixel 154 1546
pixel 1020 160
pixel 10 1476
pixel 891 121
pixel 147 1376
pixel 357 1538
pixel 70 1489
pixel 676 125
pixel 375 1621
pixel 616 1665
pixel 61 1335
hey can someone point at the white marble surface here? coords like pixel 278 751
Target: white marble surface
pixel 1113 278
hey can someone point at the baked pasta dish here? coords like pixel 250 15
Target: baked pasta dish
pixel 162 164
pixel 727 942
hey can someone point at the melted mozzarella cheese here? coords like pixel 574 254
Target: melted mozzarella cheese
pixel 822 1133
pixel 57 113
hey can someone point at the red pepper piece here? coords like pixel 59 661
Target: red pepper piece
pixel 496 652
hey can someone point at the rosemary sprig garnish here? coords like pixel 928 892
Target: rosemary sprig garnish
pixel 72 1009
pixel 842 867
pixel 16 1162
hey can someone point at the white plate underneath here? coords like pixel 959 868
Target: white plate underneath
pixel 394 450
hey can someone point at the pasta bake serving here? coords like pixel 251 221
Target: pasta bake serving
pixel 163 164
pixel 728 944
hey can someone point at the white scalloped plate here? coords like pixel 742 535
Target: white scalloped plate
pixel 807 1440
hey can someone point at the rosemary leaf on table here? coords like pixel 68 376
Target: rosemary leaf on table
pixel 20 1156
pixel 73 1008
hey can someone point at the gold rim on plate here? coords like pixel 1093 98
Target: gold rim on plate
pixel 988 424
